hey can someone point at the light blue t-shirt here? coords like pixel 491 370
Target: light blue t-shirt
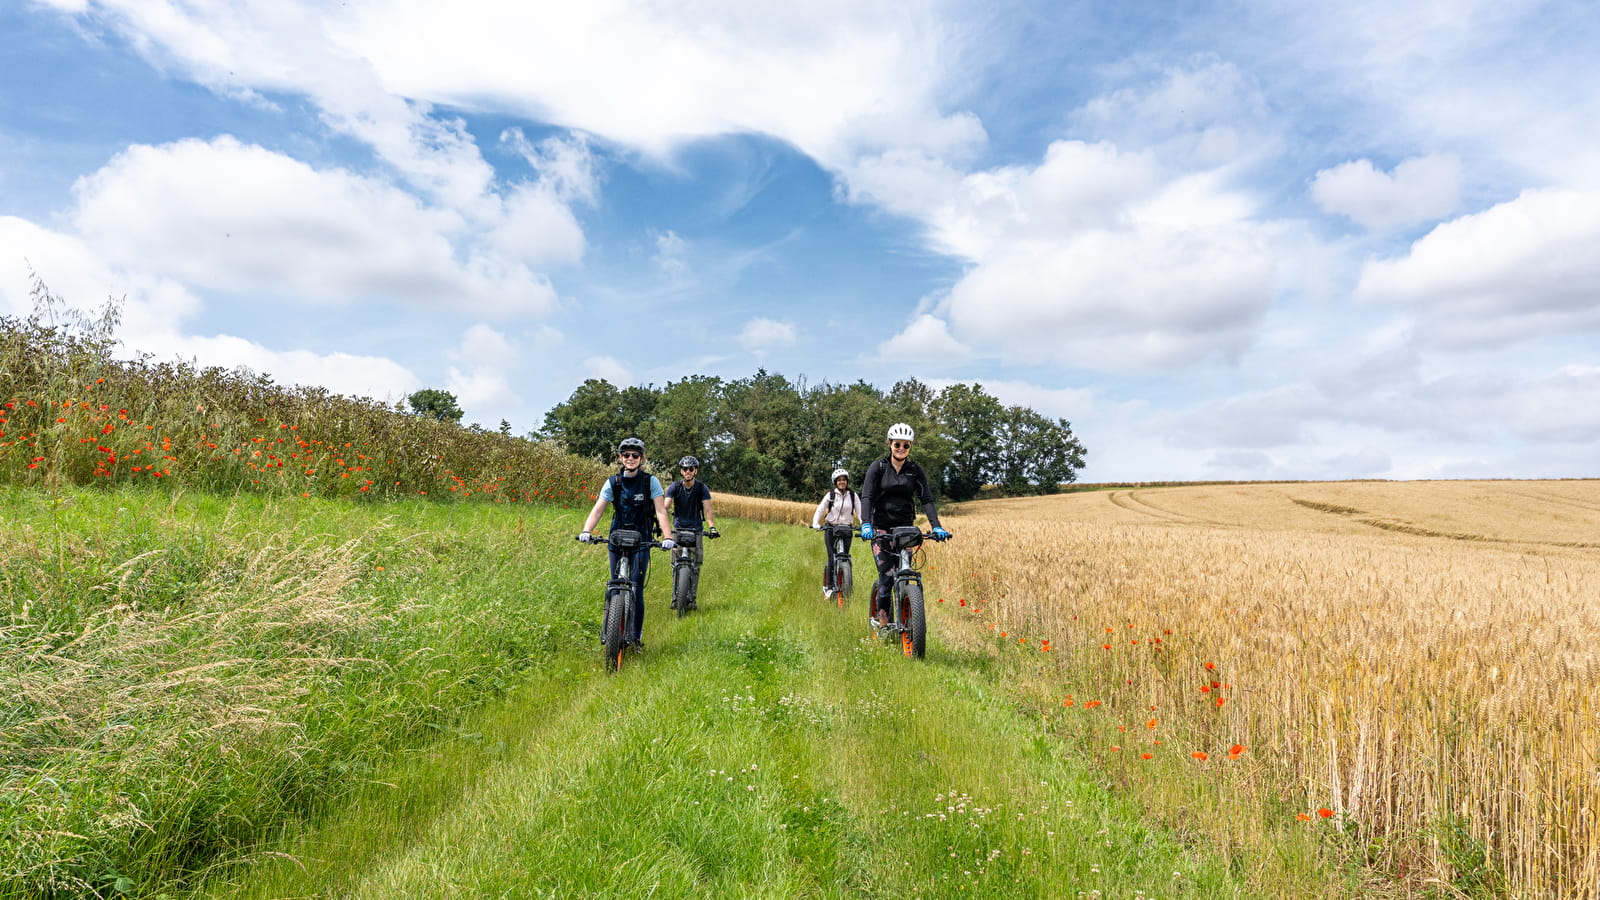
pixel 655 489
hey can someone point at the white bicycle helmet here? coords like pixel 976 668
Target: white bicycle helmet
pixel 900 431
pixel 838 474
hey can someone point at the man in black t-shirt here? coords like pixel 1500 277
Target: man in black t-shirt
pixel 690 501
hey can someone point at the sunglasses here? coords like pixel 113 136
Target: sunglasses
pixel 631 454
pixel 690 469
pixel 900 445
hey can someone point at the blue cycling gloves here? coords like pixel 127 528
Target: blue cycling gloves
pixel 866 531
pixel 939 534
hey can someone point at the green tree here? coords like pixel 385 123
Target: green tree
pixel 1038 455
pixel 844 426
pixel 588 421
pixel 684 423
pixel 970 420
pixel 759 420
pixel 435 403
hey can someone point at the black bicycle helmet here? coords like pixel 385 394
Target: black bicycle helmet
pixel 688 462
pixel 632 443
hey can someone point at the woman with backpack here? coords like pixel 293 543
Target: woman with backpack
pixel 841 508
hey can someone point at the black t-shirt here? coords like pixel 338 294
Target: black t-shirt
pixel 688 504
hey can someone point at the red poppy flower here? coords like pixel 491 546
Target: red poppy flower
pixel 1325 812
pixel 1201 755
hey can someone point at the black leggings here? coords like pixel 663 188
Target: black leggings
pixel 883 554
pixel 830 533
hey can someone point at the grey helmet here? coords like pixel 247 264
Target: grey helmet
pixel 632 443
pixel 688 462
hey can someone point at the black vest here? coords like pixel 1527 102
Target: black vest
pixel 633 507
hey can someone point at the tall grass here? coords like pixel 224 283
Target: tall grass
pixel 195 643
pixel 1432 701
pixel 71 412
pixel 180 675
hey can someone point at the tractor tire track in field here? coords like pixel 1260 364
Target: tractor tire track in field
pixel 1404 527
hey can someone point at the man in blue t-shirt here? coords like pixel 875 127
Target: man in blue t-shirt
pixel 690 500
pixel 637 498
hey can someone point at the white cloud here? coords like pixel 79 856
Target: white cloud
pixel 538 228
pixel 155 311
pixel 83 279
pixel 609 368
pixel 1209 112
pixel 1421 189
pixel 1096 257
pixel 927 339
pixel 760 335
pixel 230 216
pixel 1522 268
pixel 670 251
pixel 479 388
pixel 828 77
pixel 484 378
pixel 484 347
pixel 344 373
pixel 1126 300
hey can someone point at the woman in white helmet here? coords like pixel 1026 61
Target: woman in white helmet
pixel 890 493
pixel 841 508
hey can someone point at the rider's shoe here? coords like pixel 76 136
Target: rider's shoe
pixel 883 618
pixel 827 593
pixel 636 646
pixel 693 604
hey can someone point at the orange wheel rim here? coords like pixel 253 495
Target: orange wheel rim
pixel 905 643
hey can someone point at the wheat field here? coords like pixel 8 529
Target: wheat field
pixel 1412 662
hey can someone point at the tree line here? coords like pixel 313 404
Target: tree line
pixel 768 436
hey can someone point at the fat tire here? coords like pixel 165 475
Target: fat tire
pixel 682 589
pixel 843 580
pixel 612 628
pixel 917 621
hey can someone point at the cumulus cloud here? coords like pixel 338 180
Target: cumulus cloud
pixel 1520 269
pixel 344 373
pixel 610 369
pixel 1098 256
pixel 483 380
pixel 1119 300
pixel 225 215
pixel 1421 189
pixel 156 311
pixel 84 280
pixel 927 339
pixel 760 335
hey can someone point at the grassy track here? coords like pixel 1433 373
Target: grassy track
pixel 761 748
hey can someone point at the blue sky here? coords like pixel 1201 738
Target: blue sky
pixel 1262 239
